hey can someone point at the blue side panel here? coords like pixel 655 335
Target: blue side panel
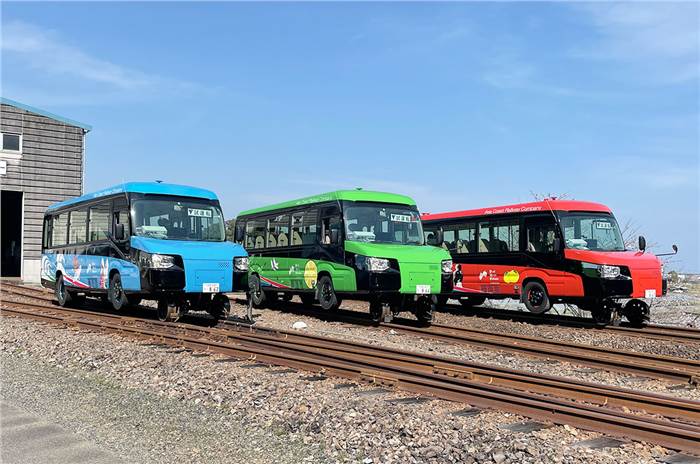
pixel 89 272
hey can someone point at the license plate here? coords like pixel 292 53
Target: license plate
pixel 650 293
pixel 423 289
pixel 210 288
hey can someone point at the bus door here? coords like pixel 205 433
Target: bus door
pixel 120 219
pixel 543 248
pixel 331 239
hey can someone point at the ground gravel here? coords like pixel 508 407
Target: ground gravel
pixel 159 404
pixel 284 316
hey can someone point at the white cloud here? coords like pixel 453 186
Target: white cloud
pixel 44 50
pixel 662 37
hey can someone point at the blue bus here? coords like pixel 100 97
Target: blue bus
pixel 143 240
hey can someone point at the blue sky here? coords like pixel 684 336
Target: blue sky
pixel 460 105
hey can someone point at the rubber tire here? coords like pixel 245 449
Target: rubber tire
pixel 424 310
pixel 62 294
pixel 307 299
pixel 375 310
pixel 472 301
pixel 257 294
pixel 544 306
pixel 329 301
pixel 118 300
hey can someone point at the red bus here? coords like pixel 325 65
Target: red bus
pixel 546 252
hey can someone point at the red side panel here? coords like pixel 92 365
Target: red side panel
pixel 508 280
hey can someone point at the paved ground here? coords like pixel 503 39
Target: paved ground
pixel 28 439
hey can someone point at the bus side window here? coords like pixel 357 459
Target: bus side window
pixel 304 227
pixel 256 229
pixel 278 231
pixel 466 238
pixel 449 242
pixel 77 228
pixel 98 222
pixel 46 241
pixel 59 230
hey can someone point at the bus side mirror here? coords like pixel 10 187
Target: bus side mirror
pixel 335 236
pixel 675 248
pixel 642 243
pixel 118 232
pixel 439 237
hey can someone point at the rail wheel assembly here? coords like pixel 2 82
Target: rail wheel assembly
pixel 220 306
pixel 636 312
pixel 171 312
pixel 425 305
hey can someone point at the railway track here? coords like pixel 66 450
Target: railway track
pixel 637 363
pixel 653 331
pixel 670 422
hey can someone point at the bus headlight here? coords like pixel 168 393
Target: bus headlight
pixel 377 264
pixel 609 272
pixel 240 263
pixel 447 266
pixel 156 261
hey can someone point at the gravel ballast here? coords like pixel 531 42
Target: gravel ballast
pixel 158 404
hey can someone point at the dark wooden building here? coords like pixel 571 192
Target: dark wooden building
pixel 42 159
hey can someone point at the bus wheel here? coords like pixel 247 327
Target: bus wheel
pixel 636 312
pixel 166 312
pixel 535 298
pixel 424 309
pixel 307 299
pixel 256 292
pixel 326 294
pixel 62 295
pixel 470 301
pixel 116 292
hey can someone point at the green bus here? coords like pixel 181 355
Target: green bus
pixel 349 243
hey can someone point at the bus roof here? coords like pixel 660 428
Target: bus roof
pixel 350 195
pixel 545 205
pixel 157 188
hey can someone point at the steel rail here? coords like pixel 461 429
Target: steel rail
pixel 685 437
pixel 653 331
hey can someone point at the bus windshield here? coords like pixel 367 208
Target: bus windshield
pixel 171 219
pixel 590 231
pixel 383 223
